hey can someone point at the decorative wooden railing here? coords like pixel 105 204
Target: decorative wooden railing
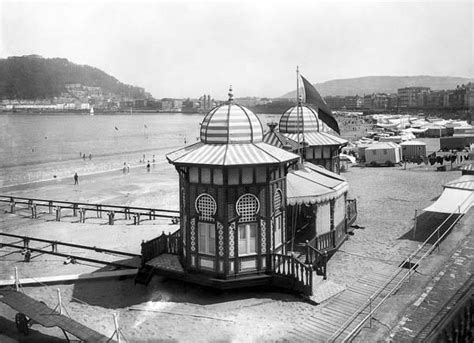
pixel 164 244
pixel 351 210
pixel 317 259
pixel 325 241
pixel 289 267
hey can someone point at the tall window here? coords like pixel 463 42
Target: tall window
pixel 247 238
pixel 207 238
pixel 247 208
pixel 206 207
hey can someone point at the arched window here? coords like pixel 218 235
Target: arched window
pixel 247 208
pixel 206 207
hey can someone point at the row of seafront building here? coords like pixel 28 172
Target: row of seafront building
pixel 81 97
pixel 461 98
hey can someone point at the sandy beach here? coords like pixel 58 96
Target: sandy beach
pixel 168 310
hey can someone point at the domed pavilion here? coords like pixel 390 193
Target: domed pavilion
pixel 321 145
pixel 234 198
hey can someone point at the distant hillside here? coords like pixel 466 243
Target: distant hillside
pixel 383 84
pixel 35 77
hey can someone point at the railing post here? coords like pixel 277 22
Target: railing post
pixel 12 206
pixel 58 213
pixel 50 207
pixel 307 261
pixel 17 280
pixel 111 215
pixel 82 213
pixel 333 238
pixel 325 260
pixel 74 210
pixel 414 225
pixel 99 211
pixel 292 264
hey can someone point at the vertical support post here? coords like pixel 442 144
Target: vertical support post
pixel 12 206
pixel 58 213
pixel 117 328
pixel 17 280
pixel 50 207
pixel 74 210
pixel 414 225
pixel 60 304
pixel 307 261
pixel 325 261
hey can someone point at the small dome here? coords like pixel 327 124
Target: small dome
pixel 308 121
pixel 231 123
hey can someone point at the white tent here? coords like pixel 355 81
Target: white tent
pixel 457 196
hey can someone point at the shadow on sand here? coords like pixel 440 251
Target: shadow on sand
pixel 122 293
pixel 427 223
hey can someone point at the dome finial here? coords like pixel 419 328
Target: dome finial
pixel 300 99
pixel 231 95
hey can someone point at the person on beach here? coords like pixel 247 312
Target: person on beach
pixel 76 179
pixel 148 166
pixel 84 157
pixel 90 156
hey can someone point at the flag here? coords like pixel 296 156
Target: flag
pixel 324 113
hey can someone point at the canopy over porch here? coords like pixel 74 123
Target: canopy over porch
pixel 312 184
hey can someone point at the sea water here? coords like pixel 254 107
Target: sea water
pixel 36 147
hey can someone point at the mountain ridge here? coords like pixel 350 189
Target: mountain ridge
pixel 383 84
pixel 34 77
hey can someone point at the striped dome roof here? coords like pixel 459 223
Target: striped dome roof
pixel 231 123
pixel 308 121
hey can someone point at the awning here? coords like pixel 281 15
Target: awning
pixel 453 200
pixel 312 184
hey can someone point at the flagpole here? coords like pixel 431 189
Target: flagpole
pixel 298 110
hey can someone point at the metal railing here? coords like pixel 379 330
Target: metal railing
pixel 80 207
pixel 370 305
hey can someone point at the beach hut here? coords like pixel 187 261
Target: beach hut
pixel 412 150
pixel 321 144
pixel 387 153
pixel 435 131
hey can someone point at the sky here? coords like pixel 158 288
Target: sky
pixel 187 48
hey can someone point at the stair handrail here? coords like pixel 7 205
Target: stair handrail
pixel 322 258
pixel 296 269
